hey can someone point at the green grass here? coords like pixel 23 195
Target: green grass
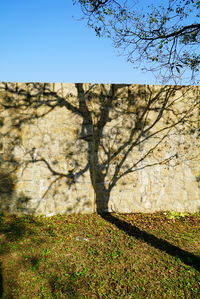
pixel 85 256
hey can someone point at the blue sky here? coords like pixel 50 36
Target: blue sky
pixel 43 41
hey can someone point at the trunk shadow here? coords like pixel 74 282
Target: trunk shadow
pixel 186 257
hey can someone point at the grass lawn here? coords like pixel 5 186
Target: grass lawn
pixel 93 256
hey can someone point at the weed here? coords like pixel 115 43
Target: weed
pixel 175 215
pixel 35 262
pixel 113 255
pixel 46 251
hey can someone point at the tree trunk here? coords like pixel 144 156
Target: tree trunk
pixel 102 198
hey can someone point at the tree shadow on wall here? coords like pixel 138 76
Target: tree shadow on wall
pixel 127 129
pixel 122 130
pixel 10 201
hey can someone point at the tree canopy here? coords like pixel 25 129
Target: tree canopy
pixel 161 38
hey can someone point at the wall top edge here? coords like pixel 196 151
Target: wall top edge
pixel 96 83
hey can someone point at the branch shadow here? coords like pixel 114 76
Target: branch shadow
pixel 121 126
pixel 186 257
pixel 9 199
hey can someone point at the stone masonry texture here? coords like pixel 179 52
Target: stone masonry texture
pixel 82 148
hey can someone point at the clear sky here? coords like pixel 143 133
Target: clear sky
pixel 43 41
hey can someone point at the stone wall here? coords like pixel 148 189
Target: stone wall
pixel 81 148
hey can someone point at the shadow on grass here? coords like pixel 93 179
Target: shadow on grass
pixel 1 281
pixel 63 286
pixel 14 228
pixel 186 257
pixel 17 227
